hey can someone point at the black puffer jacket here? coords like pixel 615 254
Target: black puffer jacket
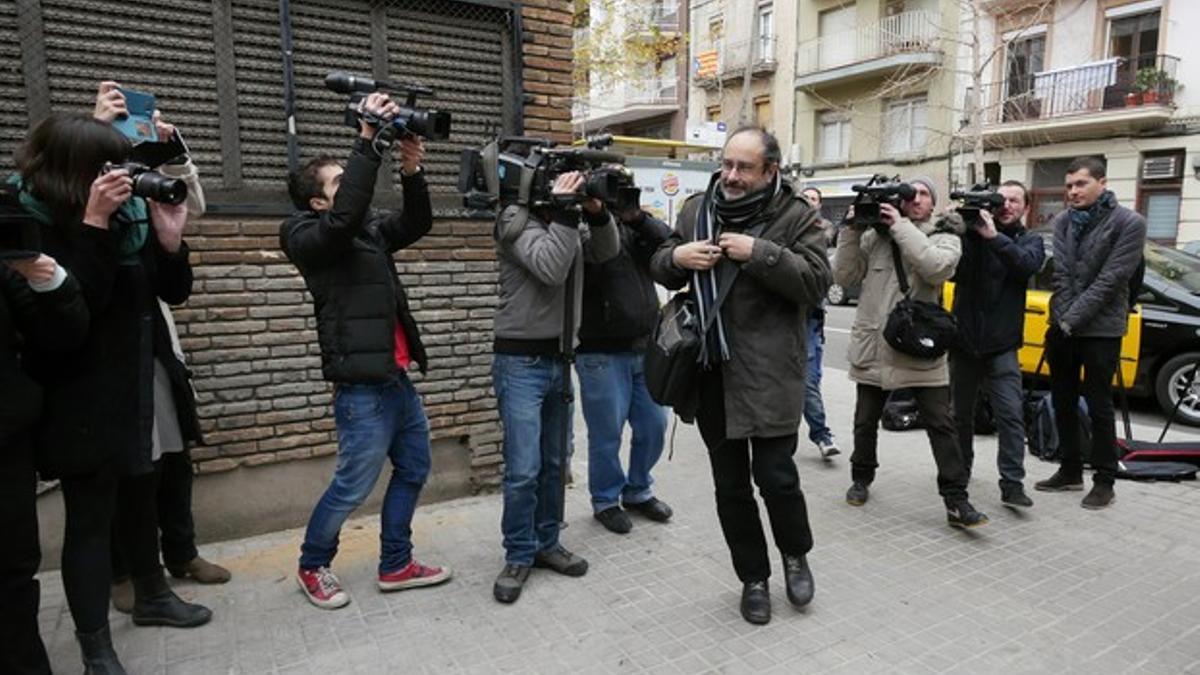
pixel 345 256
pixel 989 289
pixel 620 305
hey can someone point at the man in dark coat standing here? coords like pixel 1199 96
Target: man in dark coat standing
pixel 751 232
pixel 1098 248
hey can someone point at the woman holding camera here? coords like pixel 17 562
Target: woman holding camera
pixel 96 427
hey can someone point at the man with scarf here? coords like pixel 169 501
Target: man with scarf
pixel 928 251
pixel 753 254
pixel 1097 251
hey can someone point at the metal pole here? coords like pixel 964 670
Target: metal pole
pixel 289 83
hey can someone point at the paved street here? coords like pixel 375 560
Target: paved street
pixel 1052 590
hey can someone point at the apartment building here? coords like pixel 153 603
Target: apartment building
pixel 645 96
pixel 1119 79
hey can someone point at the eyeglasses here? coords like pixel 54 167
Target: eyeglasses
pixel 742 167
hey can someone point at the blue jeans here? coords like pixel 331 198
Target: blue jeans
pixel 612 389
pixel 374 422
pixel 532 410
pixel 814 407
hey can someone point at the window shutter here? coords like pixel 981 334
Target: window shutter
pixel 13 120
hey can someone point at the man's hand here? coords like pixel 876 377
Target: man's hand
pixel 110 102
pixel 737 246
pixel 593 206
pixel 108 192
pixel 987 224
pixel 889 214
pixel 36 271
pixel 381 106
pixel 567 183
pixel 168 221
pixel 165 131
pixel 697 255
pixel 412 153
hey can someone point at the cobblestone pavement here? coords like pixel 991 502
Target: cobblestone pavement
pixel 1055 589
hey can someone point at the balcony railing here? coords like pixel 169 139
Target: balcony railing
pixel 902 33
pixel 729 59
pixel 1111 84
pixel 625 95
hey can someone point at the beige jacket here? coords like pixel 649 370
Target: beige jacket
pixel 930 253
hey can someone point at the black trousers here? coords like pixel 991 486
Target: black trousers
pixel 735 463
pixel 934 406
pixel 21 648
pixel 1099 358
pixel 173 500
pixel 93 503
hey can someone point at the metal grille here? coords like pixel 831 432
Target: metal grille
pixel 218 71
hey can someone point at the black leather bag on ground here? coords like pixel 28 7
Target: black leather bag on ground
pixel 917 328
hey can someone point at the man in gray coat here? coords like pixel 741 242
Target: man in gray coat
pixel 541 257
pixel 754 238
pixel 929 252
pixel 1097 251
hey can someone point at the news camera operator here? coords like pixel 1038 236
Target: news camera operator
pixel 126 252
pixel 368 340
pixel 541 253
pixel 998 257
pixel 929 251
pixel 753 236
pixel 40 303
pixel 620 308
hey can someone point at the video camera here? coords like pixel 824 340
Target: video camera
pixel 150 184
pixel 522 170
pixel 982 197
pixel 410 121
pixel 879 190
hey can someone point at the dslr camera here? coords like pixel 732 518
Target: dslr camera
pixel 522 170
pixel 410 121
pixel 150 184
pixel 879 190
pixel 982 197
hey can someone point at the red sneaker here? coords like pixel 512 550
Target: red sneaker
pixel 322 588
pixel 413 575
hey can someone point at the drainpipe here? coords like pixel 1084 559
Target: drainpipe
pixel 289 83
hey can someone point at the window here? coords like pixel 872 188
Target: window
pixel 762 112
pixel 1134 38
pixel 833 137
pixel 713 113
pixel 1024 57
pixel 904 126
pixel 834 53
pixel 1160 193
pixel 716 29
pixel 766 32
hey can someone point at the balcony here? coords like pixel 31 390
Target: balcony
pixel 664 15
pixel 1102 98
pixel 626 102
pixel 905 40
pixel 728 60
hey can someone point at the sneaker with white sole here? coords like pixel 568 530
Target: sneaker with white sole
pixel 322 588
pixel 828 448
pixel 413 575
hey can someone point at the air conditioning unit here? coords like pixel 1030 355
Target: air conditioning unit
pixel 1163 167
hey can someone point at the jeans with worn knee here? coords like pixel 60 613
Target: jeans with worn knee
pixel 375 422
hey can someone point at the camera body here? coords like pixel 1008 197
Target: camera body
pixel 410 121
pixel 879 190
pixel 982 197
pixel 522 170
pixel 150 184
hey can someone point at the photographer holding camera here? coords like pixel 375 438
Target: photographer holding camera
pixel 929 252
pixel 756 261
pixel 998 257
pixel 541 253
pixel 368 341
pixel 95 434
pixel 40 303
pixel 620 308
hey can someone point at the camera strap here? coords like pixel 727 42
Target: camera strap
pixel 898 263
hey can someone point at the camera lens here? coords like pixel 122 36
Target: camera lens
pixel 155 186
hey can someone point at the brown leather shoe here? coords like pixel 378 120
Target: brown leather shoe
pixel 122 596
pixel 201 571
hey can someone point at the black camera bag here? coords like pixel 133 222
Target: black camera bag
pixel 917 328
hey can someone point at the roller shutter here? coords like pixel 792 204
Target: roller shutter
pixel 12 88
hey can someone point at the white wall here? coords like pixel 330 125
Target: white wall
pixel 1183 17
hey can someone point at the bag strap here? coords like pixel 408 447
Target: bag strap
pixel 1036 372
pixel 898 263
pixel 1125 403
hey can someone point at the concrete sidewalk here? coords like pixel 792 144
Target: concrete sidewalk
pixel 1054 589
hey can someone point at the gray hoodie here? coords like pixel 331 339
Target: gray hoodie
pixel 535 259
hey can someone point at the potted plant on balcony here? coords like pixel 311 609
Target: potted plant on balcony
pixel 1146 82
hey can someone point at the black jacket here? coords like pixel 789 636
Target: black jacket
pixel 99 398
pixel 620 305
pixel 51 321
pixel 345 256
pixel 989 289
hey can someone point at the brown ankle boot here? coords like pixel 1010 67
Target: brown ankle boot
pixel 200 570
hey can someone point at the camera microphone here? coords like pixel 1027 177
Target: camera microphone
pixel 345 83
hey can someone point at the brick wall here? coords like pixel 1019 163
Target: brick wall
pixel 250 334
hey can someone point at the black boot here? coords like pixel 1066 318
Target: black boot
pixel 798 579
pixel 155 604
pixel 98 655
